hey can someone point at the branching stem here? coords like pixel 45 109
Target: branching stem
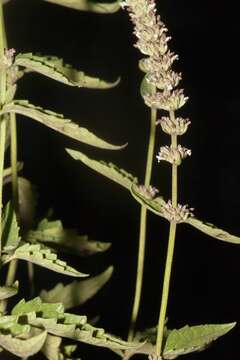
pixel 143 227
pixel 169 260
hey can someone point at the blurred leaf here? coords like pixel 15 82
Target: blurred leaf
pixel 78 292
pixel 10 236
pixel 23 348
pixel 7 173
pixel 8 291
pixel 53 233
pixel 55 69
pixel 42 256
pixel 109 170
pixel 51 348
pixel 27 203
pixel 89 5
pixel 57 122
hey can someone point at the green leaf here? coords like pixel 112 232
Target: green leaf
pixel 58 123
pixel 181 341
pixel 53 319
pixel 78 292
pixel 89 5
pixel 42 256
pixel 146 88
pixel 55 69
pixel 23 348
pixel 193 338
pixel 109 170
pixel 10 237
pixel 53 234
pixel 8 291
pixel 213 231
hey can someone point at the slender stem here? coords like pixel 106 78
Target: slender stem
pixel 143 226
pixel 31 278
pixel 2 119
pixel 13 131
pixel 170 254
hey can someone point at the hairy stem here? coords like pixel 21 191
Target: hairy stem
pixel 143 226
pixel 2 119
pixel 169 260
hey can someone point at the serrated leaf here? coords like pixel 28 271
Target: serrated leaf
pixel 213 231
pixel 55 69
pixel 36 305
pixel 181 341
pixel 109 170
pixel 42 256
pixel 23 348
pixel 76 293
pixel 8 291
pixel 10 236
pixel 193 338
pixel 89 5
pixel 53 234
pixel 58 123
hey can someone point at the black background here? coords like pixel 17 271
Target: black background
pixel 205 286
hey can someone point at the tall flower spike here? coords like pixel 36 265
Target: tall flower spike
pixel 176 126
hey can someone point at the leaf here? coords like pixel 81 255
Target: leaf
pixel 53 319
pixel 53 233
pixel 89 5
pixel 23 348
pixel 193 338
pixel 146 88
pixel 42 256
pixel 27 203
pixel 55 69
pixel 213 231
pixel 181 341
pixel 8 291
pixel 78 292
pixel 109 170
pixel 51 348
pixel 10 237
pixel 58 123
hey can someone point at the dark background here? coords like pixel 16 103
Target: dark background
pixel 206 272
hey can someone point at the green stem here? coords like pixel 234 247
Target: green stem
pixel 2 119
pixel 169 260
pixel 143 226
pixel 13 131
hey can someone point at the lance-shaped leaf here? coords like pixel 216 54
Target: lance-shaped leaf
pixel 27 203
pixel 8 291
pixel 213 231
pixel 53 234
pixel 109 170
pixel 23 348
pixel 57 122
pixel 10 236
pixel 42 256
pixel 181 341
pixel 54 349
pixel 78 292
pixel 55 69
pixel 89 5
pixel 53 319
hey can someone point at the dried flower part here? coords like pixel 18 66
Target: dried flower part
pixel 177 126
pixel 173 155
pixel 148 192
pixel 166 100
pixel 7 59
pixel 164 80
pixel 177 214
pixel 12 75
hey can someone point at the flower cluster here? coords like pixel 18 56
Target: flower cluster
pixel 173 155
pixel 177 214
pixel 149 192
pixel 7 59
